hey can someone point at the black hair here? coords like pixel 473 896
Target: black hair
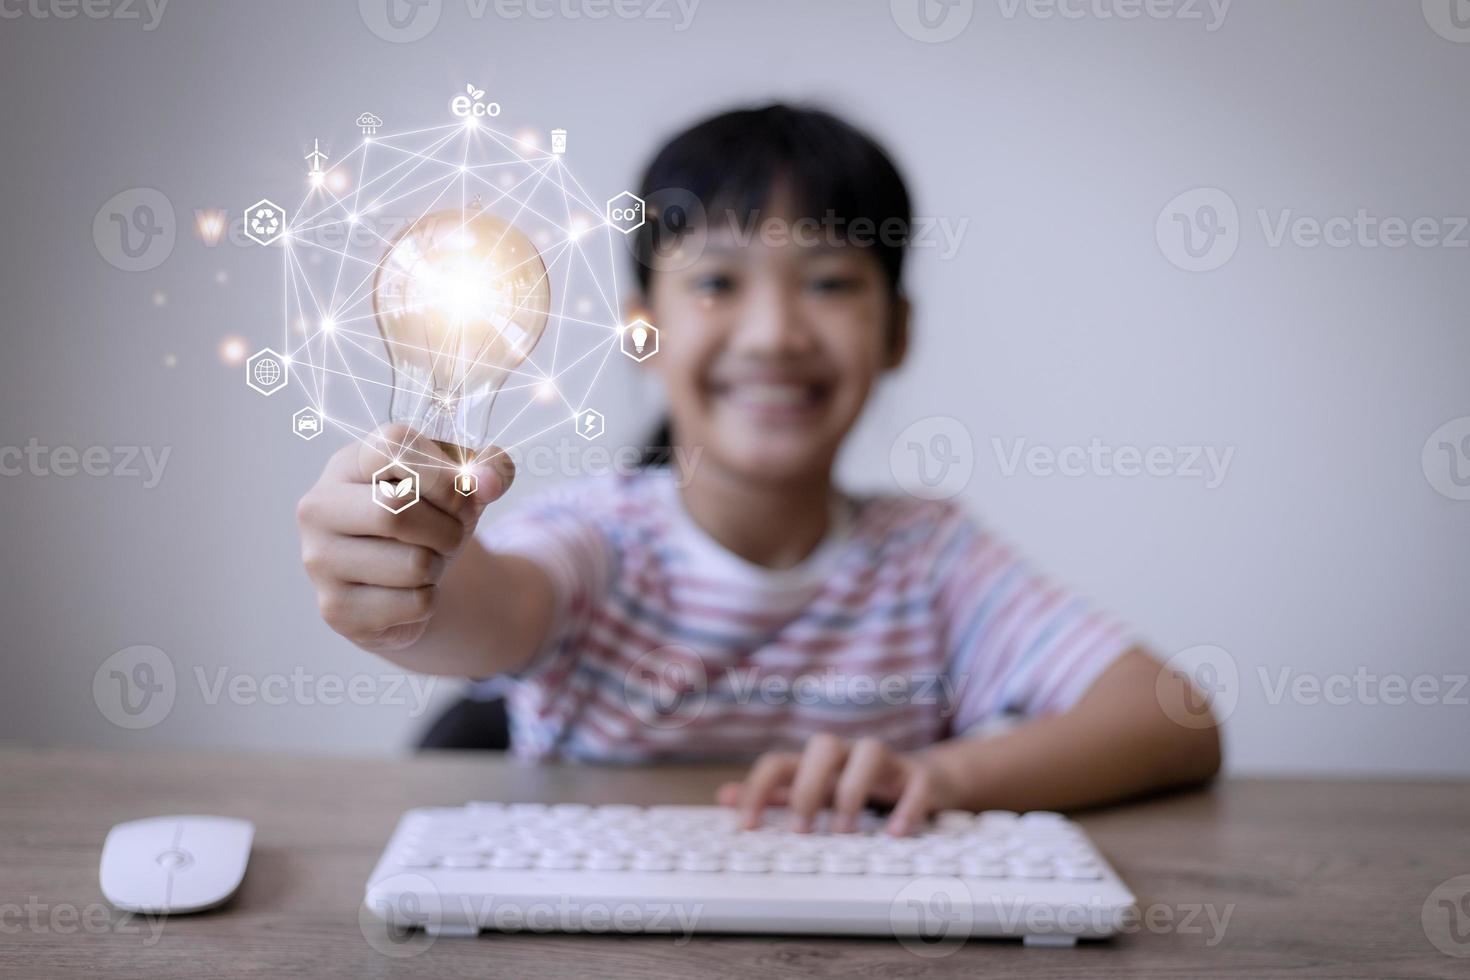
pixel 725 168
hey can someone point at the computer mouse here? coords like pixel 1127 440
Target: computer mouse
pixel 175 864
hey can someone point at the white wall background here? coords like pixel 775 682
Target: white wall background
pixel 1326 551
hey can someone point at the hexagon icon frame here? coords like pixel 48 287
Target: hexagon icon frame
pixel 250 371
pixel 642 212
pixel 466 484
pixel 296 423
pixel 265 202
pixel 377 490
pixel 629 347
pixel 598 423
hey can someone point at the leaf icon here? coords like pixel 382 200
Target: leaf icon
pixel 479 93
pixel 386 488
pixel 405 487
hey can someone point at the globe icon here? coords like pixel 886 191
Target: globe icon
pixel 267 372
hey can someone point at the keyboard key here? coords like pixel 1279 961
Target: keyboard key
pixel 888 864
pixel 653 861
pixel 795 863
pixel 462 861
pixel 605 861
pixel 746 862
pixel 511 860
pixel 975 868
pixel 700 861
pixel 843 864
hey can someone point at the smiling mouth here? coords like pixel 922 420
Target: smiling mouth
pixel 773 401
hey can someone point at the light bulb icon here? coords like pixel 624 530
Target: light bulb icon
pixel 461 298
pixel 640 340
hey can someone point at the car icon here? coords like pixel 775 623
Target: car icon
pixel 307 423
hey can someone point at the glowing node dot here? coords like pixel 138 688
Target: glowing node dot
pixel 328 325
pixel 160 298
pixel 170 360
pixel 221 277
pixel 232 351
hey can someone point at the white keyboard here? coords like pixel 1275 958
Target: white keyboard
pixel 684 869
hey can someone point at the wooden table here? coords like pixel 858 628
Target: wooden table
pixel 1260 878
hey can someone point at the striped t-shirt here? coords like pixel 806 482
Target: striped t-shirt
pixel 908 623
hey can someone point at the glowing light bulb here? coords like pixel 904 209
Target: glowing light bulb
pixel 461 297
pixel 640 339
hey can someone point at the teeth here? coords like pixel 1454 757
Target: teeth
pixel 774 395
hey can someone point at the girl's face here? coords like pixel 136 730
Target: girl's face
pixel 769 345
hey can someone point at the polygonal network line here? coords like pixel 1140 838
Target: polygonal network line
pixel 335 243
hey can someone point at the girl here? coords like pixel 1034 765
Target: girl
pixel 740 604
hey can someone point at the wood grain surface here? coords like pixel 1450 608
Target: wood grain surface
pixel 1260 878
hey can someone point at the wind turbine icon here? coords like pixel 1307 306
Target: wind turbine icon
pixel 316 157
